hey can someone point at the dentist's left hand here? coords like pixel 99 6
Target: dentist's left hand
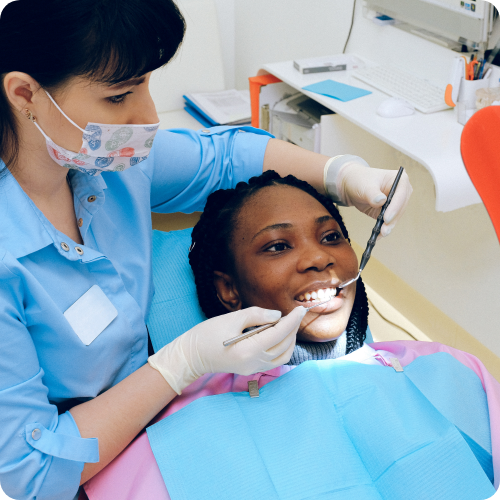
pixel 200 350
pixel 367 189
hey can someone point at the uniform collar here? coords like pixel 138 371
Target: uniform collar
pixel 23 227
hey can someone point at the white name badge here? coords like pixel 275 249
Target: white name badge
pixel 91 314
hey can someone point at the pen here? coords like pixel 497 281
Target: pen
pixel 476 71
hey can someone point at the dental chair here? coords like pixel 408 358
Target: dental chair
pixel 481 156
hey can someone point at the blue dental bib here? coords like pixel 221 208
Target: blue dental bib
pixel 335 430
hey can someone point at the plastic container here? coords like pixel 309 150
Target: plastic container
pixel 466 102
pixel 487 96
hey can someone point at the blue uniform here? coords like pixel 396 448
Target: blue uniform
pixel 43 363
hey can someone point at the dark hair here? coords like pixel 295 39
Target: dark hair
pixel 109 41
pixel 211 239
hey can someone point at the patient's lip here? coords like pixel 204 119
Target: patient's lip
pixel 317 285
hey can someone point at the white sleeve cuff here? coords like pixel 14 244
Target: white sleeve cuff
pixel 331 173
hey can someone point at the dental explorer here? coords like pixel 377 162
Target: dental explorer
pixel 248 332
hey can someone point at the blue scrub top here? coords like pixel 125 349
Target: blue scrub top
pixel 43 363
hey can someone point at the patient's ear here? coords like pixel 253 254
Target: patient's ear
pixel 226 291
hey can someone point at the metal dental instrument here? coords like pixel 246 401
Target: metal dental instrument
pixel 375 232
pixel 378 224
pixel 253 330
pixel 248 332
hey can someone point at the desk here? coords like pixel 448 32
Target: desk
pixel 433 139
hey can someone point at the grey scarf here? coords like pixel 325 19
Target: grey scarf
pixel 306 351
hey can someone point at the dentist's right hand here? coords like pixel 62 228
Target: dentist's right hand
pixel 200 350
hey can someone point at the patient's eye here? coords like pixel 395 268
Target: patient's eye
pixel 277 247
pixel 332 237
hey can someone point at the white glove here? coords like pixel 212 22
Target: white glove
pixel 356 184
pixel 200 350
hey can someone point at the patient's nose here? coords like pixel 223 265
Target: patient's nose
pixel 314 258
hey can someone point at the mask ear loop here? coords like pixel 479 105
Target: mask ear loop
pixel 63 113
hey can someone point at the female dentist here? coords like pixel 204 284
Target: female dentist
pixel 79 179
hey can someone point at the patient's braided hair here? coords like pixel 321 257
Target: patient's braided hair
pixel 211 238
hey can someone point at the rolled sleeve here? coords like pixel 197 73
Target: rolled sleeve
pixel 187 166
pixel 42 453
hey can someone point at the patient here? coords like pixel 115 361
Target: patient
pixel 277 243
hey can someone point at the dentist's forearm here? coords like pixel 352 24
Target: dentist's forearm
pixel 116 416
pixel 286 158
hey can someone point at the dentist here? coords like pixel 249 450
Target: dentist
pixel 82 165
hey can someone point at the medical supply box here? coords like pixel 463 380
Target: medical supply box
pixel 324 64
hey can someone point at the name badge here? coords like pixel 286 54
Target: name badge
pixel 91 314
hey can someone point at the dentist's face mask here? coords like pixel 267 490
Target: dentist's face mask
pixel 105 148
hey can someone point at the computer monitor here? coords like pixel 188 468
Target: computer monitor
pixel 454 23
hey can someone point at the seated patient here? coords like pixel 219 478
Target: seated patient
pixel 277 243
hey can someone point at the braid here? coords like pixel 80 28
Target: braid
pixel 211 239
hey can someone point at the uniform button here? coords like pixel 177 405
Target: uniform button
pixel 80 222
pixel 36 434
pixel 206 131
pixel 65 246
pixel 91 199
pixel 79 251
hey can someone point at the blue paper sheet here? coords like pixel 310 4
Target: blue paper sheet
pixel 337 90
pixel 332 430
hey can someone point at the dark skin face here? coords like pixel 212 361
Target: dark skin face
pixel 285 245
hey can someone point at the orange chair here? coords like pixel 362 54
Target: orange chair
pixel 480 147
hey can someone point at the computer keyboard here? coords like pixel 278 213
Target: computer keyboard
pixel 424 96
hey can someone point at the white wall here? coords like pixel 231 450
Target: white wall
pixel 226 18
pixel 278 30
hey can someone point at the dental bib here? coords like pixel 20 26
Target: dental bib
pixel 105 148
pixel 335 430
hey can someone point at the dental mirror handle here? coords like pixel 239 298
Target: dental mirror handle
pixel 380 221
pixel 253 330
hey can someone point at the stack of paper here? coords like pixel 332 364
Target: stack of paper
pixel 229 107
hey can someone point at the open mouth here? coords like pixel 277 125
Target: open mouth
pixel 310 298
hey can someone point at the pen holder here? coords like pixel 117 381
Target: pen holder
pixel 466 101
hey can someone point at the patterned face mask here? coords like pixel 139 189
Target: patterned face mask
pixel 105 148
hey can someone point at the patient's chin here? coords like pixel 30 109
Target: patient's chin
pixel 320 329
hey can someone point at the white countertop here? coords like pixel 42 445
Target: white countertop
pixel 431 139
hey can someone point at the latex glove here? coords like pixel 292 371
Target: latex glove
pixel 367 188
pixel 200 350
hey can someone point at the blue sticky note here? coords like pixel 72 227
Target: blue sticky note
pixel 337 90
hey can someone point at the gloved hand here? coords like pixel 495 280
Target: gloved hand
pixel 367 189
pixel 200 350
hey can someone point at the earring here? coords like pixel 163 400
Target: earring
pixel 29 115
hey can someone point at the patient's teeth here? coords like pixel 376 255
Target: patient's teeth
pixel 301 298
pixel 307 296
pixel 321 293
pixel 314 295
